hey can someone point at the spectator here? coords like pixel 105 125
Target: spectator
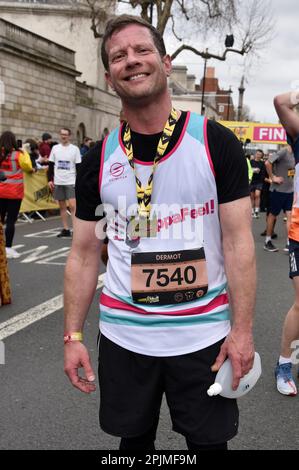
pixel 85 146
pixel 45 146
pixel 12 162
pixel 63 164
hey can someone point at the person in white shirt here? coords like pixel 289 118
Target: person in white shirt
pixel 63 164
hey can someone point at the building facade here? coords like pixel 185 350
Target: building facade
pixel 220 99
pixel 56 71
pixel 187 96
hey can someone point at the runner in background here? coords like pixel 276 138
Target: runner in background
pixel 285 106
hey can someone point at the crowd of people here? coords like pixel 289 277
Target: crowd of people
pixel 272 190
pixel 172 309
pixel 61 161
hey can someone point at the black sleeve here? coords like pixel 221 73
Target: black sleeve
pixel 50 173
pixel 87 185
pixel 229 163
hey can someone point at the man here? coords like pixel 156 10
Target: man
pixel 280 168
pixel 258 169
pixel 164 314
pixel 85 146
pixel 45 147
pixel 285 107
pixel 63 163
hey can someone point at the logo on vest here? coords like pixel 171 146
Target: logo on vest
pixel 150 299
pixel 116 170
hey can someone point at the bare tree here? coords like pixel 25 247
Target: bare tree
pixel 251 22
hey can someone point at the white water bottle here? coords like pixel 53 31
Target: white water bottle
pixel 224 379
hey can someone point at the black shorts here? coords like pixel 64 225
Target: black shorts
pixel 132 386
pixel 294 258
pixel 280 202
pixel 256 187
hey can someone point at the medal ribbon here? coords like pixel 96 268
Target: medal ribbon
pixel 144 195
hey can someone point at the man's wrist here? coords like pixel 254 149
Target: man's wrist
pixel 70 337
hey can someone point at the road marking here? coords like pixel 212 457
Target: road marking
pixel 51 233
pixel 21 321
pixel 39 256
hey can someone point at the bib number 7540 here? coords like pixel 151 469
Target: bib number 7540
pixel 162 277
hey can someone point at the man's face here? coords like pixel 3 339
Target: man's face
pixel 137 72
pixel 258 155
pixel 64 136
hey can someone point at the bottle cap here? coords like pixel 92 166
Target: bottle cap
pixel 214 389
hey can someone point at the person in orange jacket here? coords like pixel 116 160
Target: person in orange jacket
pixel 13 162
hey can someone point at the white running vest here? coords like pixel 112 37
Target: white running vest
pixel 185 189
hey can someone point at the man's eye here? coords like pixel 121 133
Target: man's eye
pixel 117 57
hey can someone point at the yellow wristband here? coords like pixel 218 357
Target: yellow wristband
pixel 77 336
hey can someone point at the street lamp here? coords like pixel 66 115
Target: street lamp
pixel 229 42
pixel 228 102
pixel 203 85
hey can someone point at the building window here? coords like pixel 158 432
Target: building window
pixel 221 108
pixel 81 133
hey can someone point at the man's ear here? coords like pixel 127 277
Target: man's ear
pixel 167 64
pixel 108 80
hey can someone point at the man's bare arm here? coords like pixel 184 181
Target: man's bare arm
pixel 81 275
pixel 240 267
pixel 284 105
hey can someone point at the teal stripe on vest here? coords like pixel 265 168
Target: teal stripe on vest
pixel 195 127
pixel 112 143
pixel 211 294
pixel 157 322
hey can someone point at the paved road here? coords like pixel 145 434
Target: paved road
pixel 38 407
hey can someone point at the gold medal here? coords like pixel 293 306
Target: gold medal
pixel 144 194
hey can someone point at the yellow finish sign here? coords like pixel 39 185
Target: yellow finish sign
pixel 262 133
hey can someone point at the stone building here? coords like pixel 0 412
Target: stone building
pixel 52 72
pixel 39 94
pixel 187 96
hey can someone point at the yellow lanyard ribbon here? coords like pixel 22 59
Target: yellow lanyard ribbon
pixel 144 195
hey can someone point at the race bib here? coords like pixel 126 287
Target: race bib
pixel 63 165
pixel 171 277
pixel 291 172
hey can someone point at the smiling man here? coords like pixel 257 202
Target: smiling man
pixel 165 312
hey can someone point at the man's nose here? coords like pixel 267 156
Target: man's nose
pixel 132 58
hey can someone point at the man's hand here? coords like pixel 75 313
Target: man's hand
pixel 51 186
pixel 76 356
pixel 277 179
pixel 239 347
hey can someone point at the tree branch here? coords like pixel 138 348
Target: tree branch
pixel 95 16
pixel 211 15
pixel 173 30
pixel 165 14
pixel 183 8
pixel 207 55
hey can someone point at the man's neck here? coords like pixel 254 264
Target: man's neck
pixel 150 119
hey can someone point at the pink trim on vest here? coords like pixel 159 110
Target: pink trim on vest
pixel 205 131
pixel 140 162
pixel 102 162
pixel 110 302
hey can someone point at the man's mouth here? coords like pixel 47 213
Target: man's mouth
pixel 136 76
